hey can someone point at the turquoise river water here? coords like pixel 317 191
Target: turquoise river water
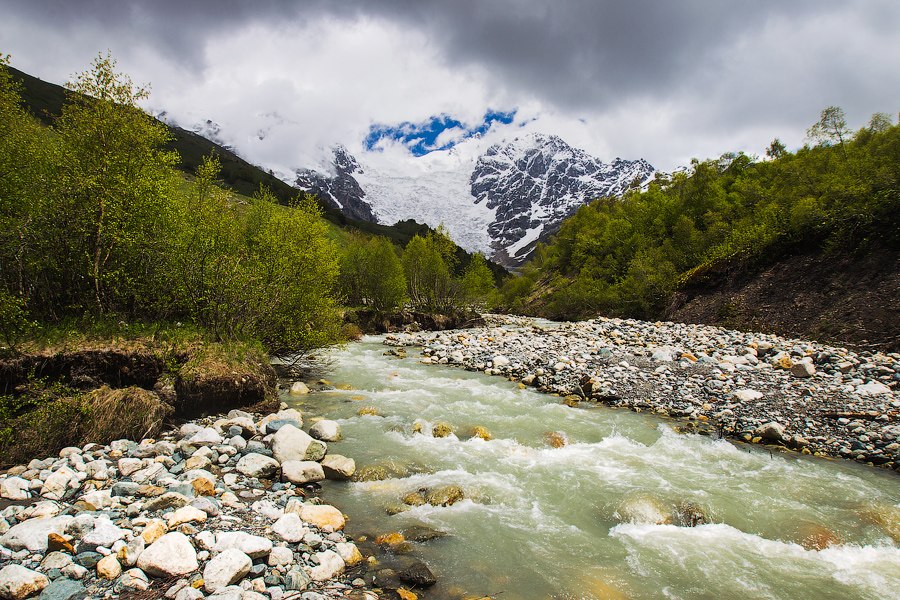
pixel 580 521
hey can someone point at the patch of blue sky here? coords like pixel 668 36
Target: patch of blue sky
pixel 440 132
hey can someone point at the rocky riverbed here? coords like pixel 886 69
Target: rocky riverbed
pixel 219 508
pixel 754 387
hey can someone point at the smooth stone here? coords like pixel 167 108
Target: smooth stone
pixel 185 514
pixel 302 471
pixel 252 545
pixel 280 556
pixel 167 500
pixel 226 568
pixel 134 579
pixel 299 389
pixel 17 582
pixel 290 528
pixel 257 465
pixel 417 574
pixel 32 534
pixel 349 552
pixel 104 534
pixel 326 430
pixel 109 567
pixel 330 564
pixel 747 395
pixel 290 443
pixel 170 555
pixel 337 467
pixel 322 516
pixel 771 431
pixel 15 488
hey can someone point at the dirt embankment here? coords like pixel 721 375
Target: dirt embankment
pixel 64 397
pixel 841 299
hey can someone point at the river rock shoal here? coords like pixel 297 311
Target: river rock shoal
pixel 215 509
pixel 753 387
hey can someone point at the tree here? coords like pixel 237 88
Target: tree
pixel 831 127
pixel 372 274
pixel 477 282
pixel 776 149
pixel 427 276
pixel 879 123
pixel 118 187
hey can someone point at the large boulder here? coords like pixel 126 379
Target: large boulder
pixel 32 534
pixel 226 568
pixel 330 564
pixel 257 465
pixel 302 471
pixel 338 467
pixel 326 430
pixel 290 443
pixel 169 556
pixel 770 432
pixel 17 582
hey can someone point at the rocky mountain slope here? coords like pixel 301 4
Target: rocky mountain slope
pixel 501 202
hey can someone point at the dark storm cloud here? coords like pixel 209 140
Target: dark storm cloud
pixel 577 54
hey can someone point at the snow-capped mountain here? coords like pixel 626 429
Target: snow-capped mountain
pixel 339 185
pixel 535 182
pixel 501 202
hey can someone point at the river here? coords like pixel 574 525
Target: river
pixel 579 521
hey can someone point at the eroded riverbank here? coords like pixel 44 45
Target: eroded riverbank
pixel 755 387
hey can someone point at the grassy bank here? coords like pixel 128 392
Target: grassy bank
pixel 77 384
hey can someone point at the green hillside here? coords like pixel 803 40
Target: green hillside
pixel 45 100
pixel 832 207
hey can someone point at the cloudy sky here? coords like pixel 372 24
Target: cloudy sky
pixel 664 80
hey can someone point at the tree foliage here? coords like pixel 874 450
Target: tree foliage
pixel 627 256
pixel 95 221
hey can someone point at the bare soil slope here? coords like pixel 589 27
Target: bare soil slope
pixel 841 299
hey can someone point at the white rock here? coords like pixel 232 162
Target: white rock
pixel 206 436
pixel 299 389
pixel 257 465
pixel 338 467
pixel 267 508
pixel 252 545
pixel 289 443
pixel 330 565
pixel 188 593
pixel 170 555
pixel 500 361
pixel 281 556
pixel 185 514
pixel 226 568
pixel 747 395
pixel 17 582
pixel 14 488
pixel 134 579
pixel 32 535
pixel 99 498
pixel 127 466
pixel 873 388
pixel 290 528
pixel 326 430
pixel 104 534
pixel 55 486
pixel 665 354
pixel 302 471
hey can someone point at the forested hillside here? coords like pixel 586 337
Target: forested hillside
pixel 689 234
pixel 99 224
